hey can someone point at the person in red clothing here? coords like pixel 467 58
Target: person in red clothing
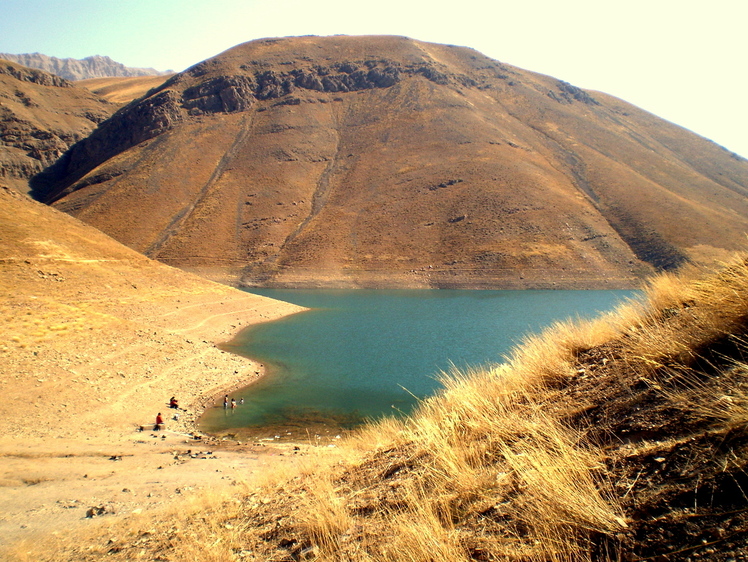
pixel 159 422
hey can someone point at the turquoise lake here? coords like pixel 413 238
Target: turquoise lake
pixel 362 354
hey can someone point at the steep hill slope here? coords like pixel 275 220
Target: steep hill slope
pixel 121 89
pixel 95 66
pixel 94 339
pixel 383 161
pixel 41 116
pixel 94 334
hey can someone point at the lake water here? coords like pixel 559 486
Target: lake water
pixel 365 353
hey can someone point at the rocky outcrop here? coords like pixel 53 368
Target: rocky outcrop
pixel 41 117
pixel 25 74
pixel 79 69
pixel 225 94
pixel 128 127
pixel 42 147
pixel 228 94
pixel 566 93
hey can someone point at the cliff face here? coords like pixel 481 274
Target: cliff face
pixel 383 161
pixel 41 116
pixel 78 69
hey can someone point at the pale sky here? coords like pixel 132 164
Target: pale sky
pixel 683 60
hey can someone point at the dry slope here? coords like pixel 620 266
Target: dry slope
pixel 96 337
pixel 121 90
pixel 384 161
pixel 41 116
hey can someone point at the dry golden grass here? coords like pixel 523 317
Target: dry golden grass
pixel 532 460
pixel 122 89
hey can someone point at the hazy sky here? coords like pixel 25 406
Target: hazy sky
pixel 684 60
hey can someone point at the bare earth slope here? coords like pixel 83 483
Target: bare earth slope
pixel 104 332
pixel 118 89
pixel 384 161
pixel 94 339
pixel 41 116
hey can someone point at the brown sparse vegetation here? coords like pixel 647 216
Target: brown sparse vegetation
pixel 389 162
pixel 619 439
pixel 120 89
pixel 94 339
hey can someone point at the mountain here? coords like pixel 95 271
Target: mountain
pixel 41 116
pixel 385 161
pixel 79 69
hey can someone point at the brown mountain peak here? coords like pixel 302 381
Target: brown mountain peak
pixel 385 161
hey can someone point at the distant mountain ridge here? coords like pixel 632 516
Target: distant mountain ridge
pixel 96 66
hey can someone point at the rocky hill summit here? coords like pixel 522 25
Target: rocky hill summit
pixel 96 66
pixel 385 161
pixel 41 116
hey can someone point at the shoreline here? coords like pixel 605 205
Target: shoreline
pixel 423 277
pixel 261 370
pixel 74 400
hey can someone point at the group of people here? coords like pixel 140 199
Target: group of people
pixel 174 404
pixel 231 403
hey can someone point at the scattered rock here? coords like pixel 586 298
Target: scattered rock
pixel 98 511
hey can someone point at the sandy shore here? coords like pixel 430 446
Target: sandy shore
pixel 72 411
pixel 94 340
